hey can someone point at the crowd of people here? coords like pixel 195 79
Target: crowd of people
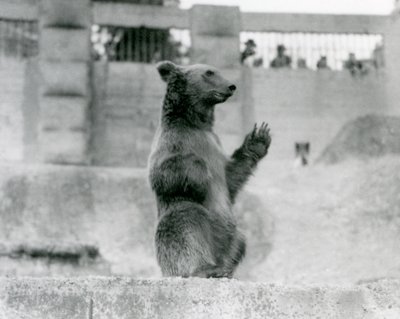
pixel 250 58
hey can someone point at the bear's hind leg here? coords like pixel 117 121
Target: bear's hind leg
pixel 227 266
pixel 184 241
pixel 236 254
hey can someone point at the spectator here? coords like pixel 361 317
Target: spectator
pixel 281 60
pixel 249 52
pixel 353 65
pixel 323 63
pixel 301 63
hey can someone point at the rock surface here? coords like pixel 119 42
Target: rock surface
pixel 366 137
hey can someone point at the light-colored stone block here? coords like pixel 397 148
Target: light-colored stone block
pixel 64 113
pixel 215 34
pixel 215 20
pixel 65 78
pixel 64 147
pixel 221 52
pixel 66 13
pixel 65 44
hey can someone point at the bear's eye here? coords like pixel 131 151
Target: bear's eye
pixel 210 73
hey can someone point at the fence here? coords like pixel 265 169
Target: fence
pixel 306 49
pixel 144 45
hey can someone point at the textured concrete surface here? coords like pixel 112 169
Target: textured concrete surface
pixel 122 298
pixel 43 205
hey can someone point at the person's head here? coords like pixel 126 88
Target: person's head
pixel 250 44
pixel 281 49
pixel 352 56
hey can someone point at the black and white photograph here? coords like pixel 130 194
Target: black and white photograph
pixel 199 159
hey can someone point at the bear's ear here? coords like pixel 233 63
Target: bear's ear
pixel 167 69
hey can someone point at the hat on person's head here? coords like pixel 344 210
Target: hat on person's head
pixel 250 42
pixel 281 47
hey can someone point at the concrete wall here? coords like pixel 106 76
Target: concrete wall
pixel 319 23
pixel 11 115
pixel 65 93
pixel 19 109
pixel 392 63
pixel 122 298
pixel 127 97
pixel 298 105
pixel 60 208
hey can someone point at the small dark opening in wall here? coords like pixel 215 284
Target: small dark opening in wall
pixel 59 254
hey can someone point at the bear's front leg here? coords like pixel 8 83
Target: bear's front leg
pixel 245 158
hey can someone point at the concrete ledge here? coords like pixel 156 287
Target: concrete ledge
pixel 121 298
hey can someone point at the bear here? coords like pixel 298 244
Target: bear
pixel 194 181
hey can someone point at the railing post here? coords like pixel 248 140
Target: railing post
pixel 215 32
pixel 65 64
pixel 392 63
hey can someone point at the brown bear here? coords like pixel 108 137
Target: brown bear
pixel 195 183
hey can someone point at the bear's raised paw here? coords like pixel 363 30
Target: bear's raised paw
pixel 257 142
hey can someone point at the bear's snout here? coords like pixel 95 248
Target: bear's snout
pixel 232 87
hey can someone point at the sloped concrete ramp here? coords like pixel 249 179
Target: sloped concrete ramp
pixel 122 298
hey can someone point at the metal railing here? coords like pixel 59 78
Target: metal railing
pixel 306 49
pixel 144 45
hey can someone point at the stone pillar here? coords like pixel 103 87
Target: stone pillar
pixel 392 63
pixel 247 98
pixel 215 32
pixel 65 64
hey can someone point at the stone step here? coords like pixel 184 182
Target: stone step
pixel 122 298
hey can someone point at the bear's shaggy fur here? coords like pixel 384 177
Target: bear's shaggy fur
pixel 194 181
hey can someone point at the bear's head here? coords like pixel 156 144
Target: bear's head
pixel 192 92
pixel 198 83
